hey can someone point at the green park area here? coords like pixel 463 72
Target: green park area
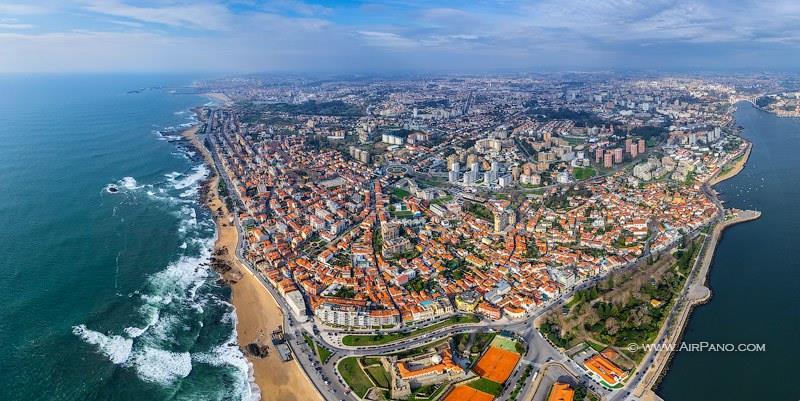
pixel 376 372
pixel 624 308
pixel 487 386
pixel 583 173
pixel 354 376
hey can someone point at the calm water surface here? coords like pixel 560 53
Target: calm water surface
pixel 755 279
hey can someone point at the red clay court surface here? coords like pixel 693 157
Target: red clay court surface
pixel 466 393
pixel 497 364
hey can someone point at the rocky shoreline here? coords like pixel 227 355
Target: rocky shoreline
pixel 257 314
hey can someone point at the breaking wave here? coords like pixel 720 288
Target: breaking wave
pixel 181 309
pixel 116 348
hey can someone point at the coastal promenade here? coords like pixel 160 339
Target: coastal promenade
pixel 695 291
pixel 257 312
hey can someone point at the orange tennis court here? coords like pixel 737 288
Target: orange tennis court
pixel 466 393
pixel 497 364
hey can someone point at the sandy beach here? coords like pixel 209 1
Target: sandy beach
pixel 257 312
pixel 219 97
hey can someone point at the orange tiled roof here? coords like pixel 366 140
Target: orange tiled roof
pixel 607 370
pixel 561 392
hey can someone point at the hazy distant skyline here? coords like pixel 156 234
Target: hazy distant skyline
pixel 396 35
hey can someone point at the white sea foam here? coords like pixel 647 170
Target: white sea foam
pixel 149 310
pixel 188 219
pixel 116 348
pixel 229 354
pixel 149 346
pixel 161 366
pixel 163 329
pixel 189 193
pixel 199 173
pixel 128 183
pixel 156 299
pixel 181 275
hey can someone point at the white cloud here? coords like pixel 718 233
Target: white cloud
pixel 206 16
pixel 387 40
pixel 131 24
pixel 294 34
pixel 22 9
pixel 10 25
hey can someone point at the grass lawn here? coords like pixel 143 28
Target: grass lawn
pixel 354 376
pixel 428 392
pixel 505 343
pixel 369 361
pixel 595 346
pixel 402 214
pixel 442 200
pixel 400 193
pixel 583 173
pixel 424 349
pixel 323 353
pixel 487 386
pixel 574 140
pixel 378 375
pixel 355 340
pixel 309 341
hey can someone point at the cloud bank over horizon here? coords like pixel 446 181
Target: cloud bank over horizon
pixel 396 35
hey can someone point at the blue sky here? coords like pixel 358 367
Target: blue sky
pixel 397 35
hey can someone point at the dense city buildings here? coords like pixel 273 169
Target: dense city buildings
pixel 384 206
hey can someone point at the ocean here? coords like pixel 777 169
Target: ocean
pixel 754 278
pixel 105 289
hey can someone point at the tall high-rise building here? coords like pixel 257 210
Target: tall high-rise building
pixel 500 221
pixel 452 160
pixel 618 155
pixel 469 178
pixel 641 146
pixel 608 159
pixel 453 176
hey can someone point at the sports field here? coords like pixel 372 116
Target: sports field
pixel 466 393
pixel 505 343
pixel 497 364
